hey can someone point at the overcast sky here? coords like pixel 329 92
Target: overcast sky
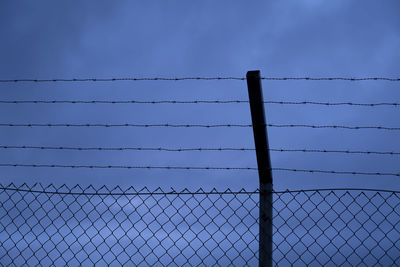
pixel 103 39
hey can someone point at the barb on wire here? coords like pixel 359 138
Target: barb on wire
pixel 197 149
pixel 192 168
pixel 193 102
pixel 196 125
pixel 201 78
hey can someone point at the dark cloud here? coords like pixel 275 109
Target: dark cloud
pixel 50 39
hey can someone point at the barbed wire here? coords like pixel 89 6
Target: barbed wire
pixel 201 78
pixel 192 168
pixel 197 149
pixel 335 151
pixel 195 126
pixel 123 167
pixel 331 79
pixel 334 126
pixel 193 102
pixel 122 125
pixel 337 172
pixel 123 79
pixel 331 103
pixel 123 102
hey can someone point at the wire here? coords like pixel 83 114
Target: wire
pixel 337 172
pixel 196 149
pixel 331 103
pixel 122 125
pixel 336 189
pixel 144 191
pixel 123 102
pixel 63 190
pixel 123 167
pixel 334 126
pixel 354 79
pixel 196 126
pixel 126 148
pixel 192 102
pixel 203 78
pixel 123 79
pixel 336 151
pixel 190 168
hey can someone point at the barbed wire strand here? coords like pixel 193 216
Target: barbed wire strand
pixel 123 79
pixel 196 126
pixel 122 125
pixel 193 102
pixel 331 103
pixel 201 78
pixel 123 167
pixel 335 151
pixel 191 168
pixel 334 127
pixel 196 149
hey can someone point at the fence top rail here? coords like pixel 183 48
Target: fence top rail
pixel 119 191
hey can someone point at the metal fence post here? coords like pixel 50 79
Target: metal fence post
pixel 264 166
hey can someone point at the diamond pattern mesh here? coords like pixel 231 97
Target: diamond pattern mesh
pixel 114 226
pixel 337 228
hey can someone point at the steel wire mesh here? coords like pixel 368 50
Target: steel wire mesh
pixel 337 228
pixel 115 226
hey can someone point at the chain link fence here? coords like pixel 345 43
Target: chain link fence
pixel 115 226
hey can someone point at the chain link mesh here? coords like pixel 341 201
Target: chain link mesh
pixel 114 226
pixel 337 228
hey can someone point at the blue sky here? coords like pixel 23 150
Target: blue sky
pixel 101 39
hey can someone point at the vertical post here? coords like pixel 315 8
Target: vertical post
pixel 264 166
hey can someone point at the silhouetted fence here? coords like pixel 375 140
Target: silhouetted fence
pixel 85 226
